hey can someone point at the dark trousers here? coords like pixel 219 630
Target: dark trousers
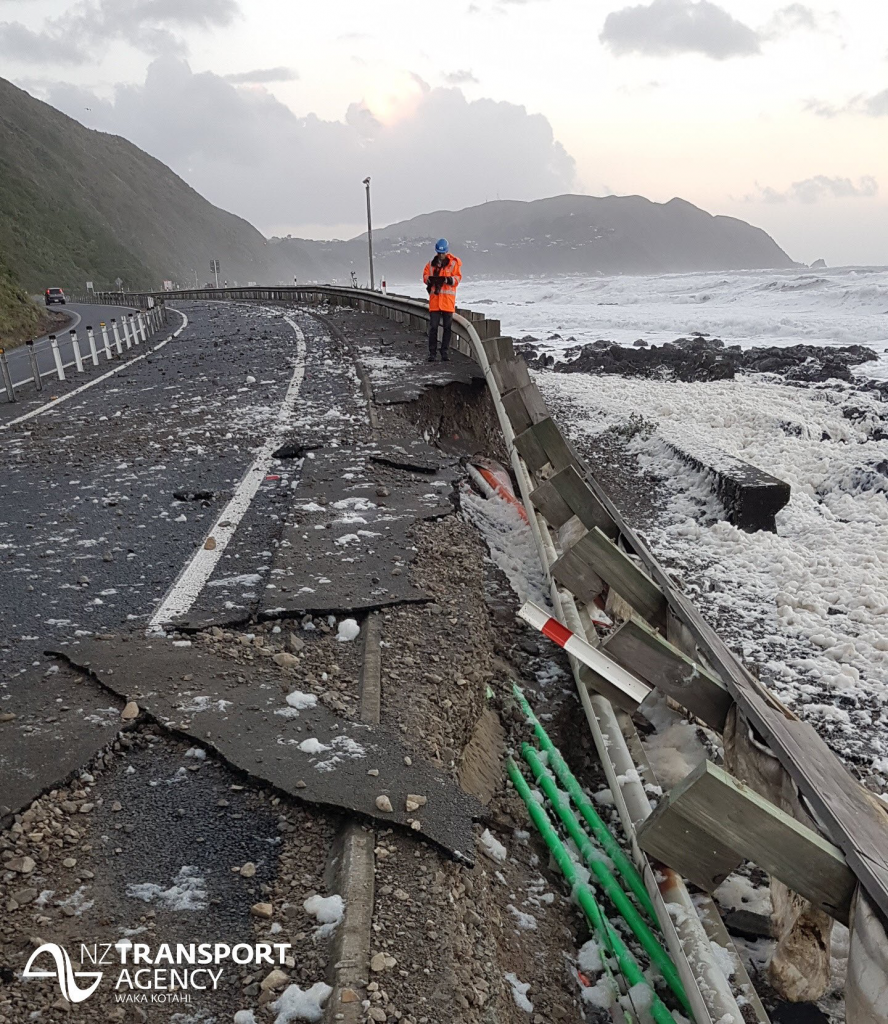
pixel 437 317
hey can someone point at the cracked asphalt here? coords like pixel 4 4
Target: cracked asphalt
pixel 91 532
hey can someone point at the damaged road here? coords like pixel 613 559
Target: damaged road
pixel 212 808
pixel 287 740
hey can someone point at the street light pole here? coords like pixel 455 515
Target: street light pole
pixel 370 235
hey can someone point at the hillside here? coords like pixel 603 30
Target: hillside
pixel 78 205
pixel 20 317
pixel 562 235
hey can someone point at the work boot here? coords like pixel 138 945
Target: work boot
pixel 432 357
pixel 445 358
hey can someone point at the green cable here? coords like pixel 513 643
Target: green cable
pixel 584 897
pixel 598 828
pixel 607 881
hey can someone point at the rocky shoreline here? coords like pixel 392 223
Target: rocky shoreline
pixel 703 358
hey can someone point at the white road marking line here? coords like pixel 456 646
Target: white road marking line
pixel 191 580
pixel 71 394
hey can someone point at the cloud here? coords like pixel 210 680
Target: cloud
pixel 144 24
pixel 799 18
pixel 666 27
pixel 462 77
pixel 23 44
pixel 261 76
pixel 280 171
pixel 876 106
pixel 871 106
pixel 812 190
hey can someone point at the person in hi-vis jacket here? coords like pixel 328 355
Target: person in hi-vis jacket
pixel 441 277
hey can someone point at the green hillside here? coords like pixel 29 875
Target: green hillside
pixel 20 317
pixel 79 205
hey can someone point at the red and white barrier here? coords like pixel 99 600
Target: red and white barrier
pixel 583 651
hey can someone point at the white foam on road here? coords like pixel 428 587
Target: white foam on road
pixel 193 577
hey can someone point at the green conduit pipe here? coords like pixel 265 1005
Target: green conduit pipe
pixel 607 881
pixel 607 934
pixel 598 828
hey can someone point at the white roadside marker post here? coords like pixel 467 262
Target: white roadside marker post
pixel 56 355
pixel 117 343
pixel 75 344
pixel 93 351
pixel 126 333
pixel 142 327
pixel 35 369
pixel 134 329
pixel 105 339
pixel 7 379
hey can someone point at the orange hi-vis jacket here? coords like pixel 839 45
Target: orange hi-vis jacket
pixel 443 297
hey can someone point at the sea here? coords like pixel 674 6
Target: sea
pixel 835 306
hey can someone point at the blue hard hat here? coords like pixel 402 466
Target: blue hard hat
pixel 442 245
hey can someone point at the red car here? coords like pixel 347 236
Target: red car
pixel 54 295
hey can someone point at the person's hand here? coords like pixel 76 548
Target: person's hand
pixel 450 280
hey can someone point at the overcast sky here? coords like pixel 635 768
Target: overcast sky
pixel 276 110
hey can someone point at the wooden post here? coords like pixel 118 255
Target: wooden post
pixel 582 499
pixel 623 575
pixel 556 511
pixel 575 573
pixel 510 373
pixel 709 823
pixel 530 449
pixel 638 647
pixel 559 451
pixel 524 406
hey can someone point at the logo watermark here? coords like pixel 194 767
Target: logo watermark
pixel 141 973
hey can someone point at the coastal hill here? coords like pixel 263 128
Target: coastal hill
pixel 567 234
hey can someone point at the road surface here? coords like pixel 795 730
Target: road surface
pixel 85 315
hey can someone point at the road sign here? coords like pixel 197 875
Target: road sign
pixel 167 286
pixel 118 281
pixel 89 286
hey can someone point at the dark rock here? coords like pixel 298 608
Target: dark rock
pixel 701 358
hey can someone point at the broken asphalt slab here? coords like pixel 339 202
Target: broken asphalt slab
pixel 344 547
pixel 306 750
pixel 347 548
pixel 423 376
pixel 59 721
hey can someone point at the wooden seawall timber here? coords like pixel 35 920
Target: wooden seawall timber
pixel 709 823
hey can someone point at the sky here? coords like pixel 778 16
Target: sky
pixel 773 112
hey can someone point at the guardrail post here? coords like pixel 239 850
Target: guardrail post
pixel 7 379
pixel 117 343
pixel 57 356
pixel 142 330
pixel 105 340
pixel 75 344
pixel 35 369
pixel 126 334
pixel 93 351
pixel 134 327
